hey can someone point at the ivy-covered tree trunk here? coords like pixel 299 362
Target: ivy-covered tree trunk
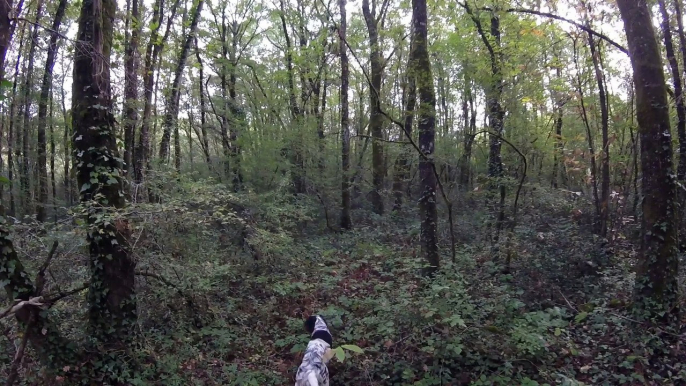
pixel 131 84
pixel 111 296
pixel 346 222
pixel 656 293
pixel 172 106
pixel 426 117
pixel 43 112
pixel 376 119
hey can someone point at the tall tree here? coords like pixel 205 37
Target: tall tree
pixel 172 105
pixel 24 177
pixel 111 295
pixel 403 163
pixel 43 111
pixel 426 117
pixel 656 289
pixel 131 83
pixel 346 223
pixel 376 119
pixel 604 125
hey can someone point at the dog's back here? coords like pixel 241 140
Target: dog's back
pixel 313 370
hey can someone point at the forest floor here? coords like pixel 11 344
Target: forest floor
pixel 227 280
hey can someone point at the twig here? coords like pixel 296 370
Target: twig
pixel 40 278
pixel 567 301
pixel 14 370
pixel 43 27
pixel 380 139
pixel 61 295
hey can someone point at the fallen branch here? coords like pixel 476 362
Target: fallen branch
pixel 11 310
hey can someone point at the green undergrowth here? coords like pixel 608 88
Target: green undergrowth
pixel 226 280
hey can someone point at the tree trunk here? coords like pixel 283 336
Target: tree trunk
pixel 656 293
pixel 67 180
pixel 469 129
pixel 203 123
pixel 152 51
pixel 589 135
pixel 376 119
pixel 111 296
pixel 426 118
pixel 604 121
pixel 296 113
pixel 24 177
pixel 346 222
pixel 11 130
pixel 43 112
pixel 402 170
pixel 681 122
pixel 172 105
pixel 131 84
pixel 53 182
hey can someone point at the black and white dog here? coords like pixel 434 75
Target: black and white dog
pixel 313 370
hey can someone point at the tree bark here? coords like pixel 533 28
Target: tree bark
pixel 346 222
pixel 111 297
pixel 43 112
pixel 604 122
pixel 402 170
pixel 24 177
pixel 426 118
pixel 172 105
pixel 376 119
pixel 131 84
pixel 656 292
pixel 203 123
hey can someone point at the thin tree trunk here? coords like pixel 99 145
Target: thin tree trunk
pixel 589 136
pixel 11 130
pixel 43 111
pixel 24 177
pixel 131 84
pixel 111 297
pixel 604 121
pixel 346 222
pixel 426 118
pixel 203 123
pixel 681 122
pixel 172 105
pixel 402 170
pixel 67 180
pixel 376 119
pixel 53 182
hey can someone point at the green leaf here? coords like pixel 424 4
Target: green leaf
pixel 558 332
pixel 353 348
pixel 340 354
pixel 4 180
pixel 581 317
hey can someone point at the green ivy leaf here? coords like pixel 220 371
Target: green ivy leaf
pixel 581 317
pixel 353 348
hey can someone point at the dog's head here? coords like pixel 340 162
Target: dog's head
pixel 316 326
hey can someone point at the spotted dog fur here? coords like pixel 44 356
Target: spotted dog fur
pixel 313 370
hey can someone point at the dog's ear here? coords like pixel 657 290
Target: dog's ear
pixel 310 323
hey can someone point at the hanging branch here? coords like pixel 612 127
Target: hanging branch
pixel 560 18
